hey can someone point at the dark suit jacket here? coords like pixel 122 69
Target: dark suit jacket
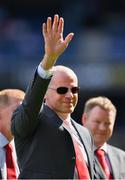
pixel 44 147
pixel 117 160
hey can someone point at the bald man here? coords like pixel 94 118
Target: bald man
pixel 44 141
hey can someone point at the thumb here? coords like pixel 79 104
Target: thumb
pixel 69 38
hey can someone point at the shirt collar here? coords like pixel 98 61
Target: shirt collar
pixel 3 140
pixel 104 147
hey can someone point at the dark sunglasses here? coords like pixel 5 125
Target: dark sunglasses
pixel 64 90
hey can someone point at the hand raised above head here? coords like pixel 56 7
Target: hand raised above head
pixel 55 44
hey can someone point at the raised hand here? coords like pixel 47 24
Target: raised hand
pixel 55 44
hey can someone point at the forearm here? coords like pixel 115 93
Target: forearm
pixel 48 62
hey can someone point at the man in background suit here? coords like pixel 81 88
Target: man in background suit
pixel 99 117
pixel 43 139
pixel 9 100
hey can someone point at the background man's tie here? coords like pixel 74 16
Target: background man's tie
pixel 101 157
pixel 81 165
pixel 11 169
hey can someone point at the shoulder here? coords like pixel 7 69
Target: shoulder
pixel 83 131
pixel 116 150
pixel 80 127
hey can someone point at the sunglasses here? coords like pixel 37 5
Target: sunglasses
pixel 64 90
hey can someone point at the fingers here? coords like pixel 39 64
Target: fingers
pixel 55 23
pixel 49 24
pixel 61 25
pixel 44 29
pixel 53 32
pixel 56 26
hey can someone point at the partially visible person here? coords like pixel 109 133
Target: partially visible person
pixel 47 138
pixel 0 174
pixel 99 117
pixel 10 99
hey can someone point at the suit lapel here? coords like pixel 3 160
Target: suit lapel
pixel 99 169
pixel 84 141
pixel 114 162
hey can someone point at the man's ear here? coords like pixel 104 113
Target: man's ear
pixel 84 119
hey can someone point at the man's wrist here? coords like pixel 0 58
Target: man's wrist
pixel 48 62
pixel 45 74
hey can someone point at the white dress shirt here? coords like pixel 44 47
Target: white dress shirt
pixel 3 168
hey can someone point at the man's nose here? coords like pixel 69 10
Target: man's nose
pixel 102 126
pixel 69 93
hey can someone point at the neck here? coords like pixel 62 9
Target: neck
pixel 64 116
pixel 8 136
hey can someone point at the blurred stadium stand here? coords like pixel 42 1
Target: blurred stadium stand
pixel 97 52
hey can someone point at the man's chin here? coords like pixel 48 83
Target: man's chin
pixel 70 110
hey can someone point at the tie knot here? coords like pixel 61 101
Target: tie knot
pixel 67 122
pixel 100 152
pixel 8 147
